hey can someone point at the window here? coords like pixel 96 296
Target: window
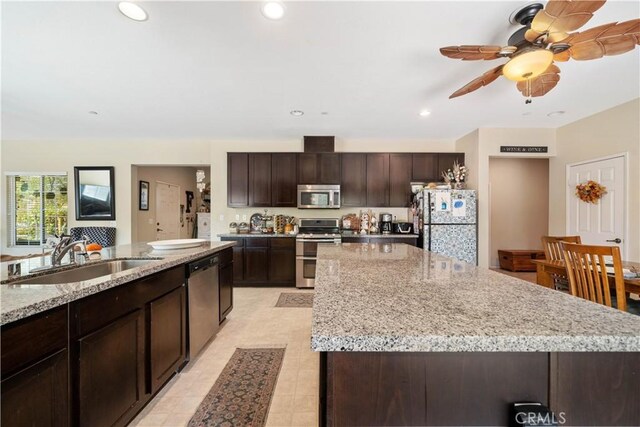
pixel 37 208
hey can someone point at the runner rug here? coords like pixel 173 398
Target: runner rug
pixel 293 299
pixel 242 393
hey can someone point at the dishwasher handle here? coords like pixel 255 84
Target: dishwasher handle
pixel 202 265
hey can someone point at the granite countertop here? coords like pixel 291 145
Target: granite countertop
pixel 401 298
pixel 18 301
pixel 243 235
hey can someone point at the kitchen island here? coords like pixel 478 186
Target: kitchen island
pixel 409 337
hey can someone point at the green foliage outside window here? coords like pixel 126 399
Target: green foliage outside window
pixel 40 208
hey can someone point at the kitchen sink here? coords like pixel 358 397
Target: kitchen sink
pixel 85 272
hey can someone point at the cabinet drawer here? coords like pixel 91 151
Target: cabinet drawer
pixel 239 241
pixel 28 340
pixel 283 242
pixel 257 242
pixel 97 310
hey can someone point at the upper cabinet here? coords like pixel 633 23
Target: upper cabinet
pixel 366 179
pixel 237 180
pixel 353 188
pixel 424 167
pixel 284 184
pixel 319 168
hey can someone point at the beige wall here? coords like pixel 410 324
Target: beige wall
pixel 145 221
pixel 519 204
pixel 613 131
pixel 484 144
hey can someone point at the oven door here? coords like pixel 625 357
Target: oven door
pixel 305 272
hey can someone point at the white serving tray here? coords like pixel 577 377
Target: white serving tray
pixel 176 243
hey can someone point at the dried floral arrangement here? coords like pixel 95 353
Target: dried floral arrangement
pixel 590 191
pixel 455 175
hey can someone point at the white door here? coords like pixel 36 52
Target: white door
pixel 602 223
pixel 167 211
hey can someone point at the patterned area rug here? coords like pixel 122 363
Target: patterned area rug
pixel 242 393
pixel 299 299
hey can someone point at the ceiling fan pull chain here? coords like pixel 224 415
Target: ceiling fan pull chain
pixel 528 100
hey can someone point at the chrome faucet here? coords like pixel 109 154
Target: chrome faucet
pixel 66 245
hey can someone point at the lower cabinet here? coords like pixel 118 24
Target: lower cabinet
pixel 167 335
pixel 265 261
pixel 111 372
pixel 226 275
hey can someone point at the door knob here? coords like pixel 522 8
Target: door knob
pixel 616 240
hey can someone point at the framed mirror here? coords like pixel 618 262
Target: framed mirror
pixel 95 193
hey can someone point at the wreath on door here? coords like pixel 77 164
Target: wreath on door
pixel 590 191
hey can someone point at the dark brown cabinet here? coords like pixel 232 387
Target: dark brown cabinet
pixel 168 335
pixel 284 182
pixel 400 180
pixel 259 179
pixel 263 261
pixel 225 289
pixel 35 371
pixel 354 179
pixel 425 167
pixel 237 179
pixel 282 261
pixel 319 168
pixel 378 180
pixel 111 372
pixel 445 161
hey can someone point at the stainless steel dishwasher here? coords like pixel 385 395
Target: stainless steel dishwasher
pixel 204 302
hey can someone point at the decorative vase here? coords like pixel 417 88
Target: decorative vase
pixel 459 186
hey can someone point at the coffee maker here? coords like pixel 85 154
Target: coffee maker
pixel 386 223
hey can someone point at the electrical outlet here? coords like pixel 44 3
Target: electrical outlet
pixel 221 217
pixel 244 218
pixel 237 217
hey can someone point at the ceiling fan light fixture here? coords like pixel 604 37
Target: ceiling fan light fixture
pixel 528 65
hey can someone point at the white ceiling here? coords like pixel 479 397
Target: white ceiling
pixel 221 70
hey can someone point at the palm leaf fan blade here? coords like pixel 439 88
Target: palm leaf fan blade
pixel 478 82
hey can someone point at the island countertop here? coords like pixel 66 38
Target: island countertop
pixel 398 298
pixel 18 301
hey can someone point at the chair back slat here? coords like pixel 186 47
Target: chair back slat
pixel 588 276
pixel 552 246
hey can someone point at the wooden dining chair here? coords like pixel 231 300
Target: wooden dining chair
pixel 587 273
pixel 552 246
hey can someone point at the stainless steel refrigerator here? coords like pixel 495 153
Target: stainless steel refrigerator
pixel 450 223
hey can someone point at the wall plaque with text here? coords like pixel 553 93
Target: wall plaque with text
pixel 523 149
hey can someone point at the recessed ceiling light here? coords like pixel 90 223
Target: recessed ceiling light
pixel 296 113
pixel 325 113
pixel 555 113
pixel 273 9
pixel 424 113
pixel 132 11
pixel 527 113
pixel 95 113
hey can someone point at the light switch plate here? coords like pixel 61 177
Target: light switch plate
pixel 244 218
pixel 221 217
pixel 237 217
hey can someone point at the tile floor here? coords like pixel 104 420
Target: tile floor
pixel 254 322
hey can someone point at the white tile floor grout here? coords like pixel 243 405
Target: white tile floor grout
pixel 254 322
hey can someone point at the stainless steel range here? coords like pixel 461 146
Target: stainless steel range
pixel 312 232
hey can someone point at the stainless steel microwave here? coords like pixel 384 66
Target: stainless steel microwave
pixel 318 196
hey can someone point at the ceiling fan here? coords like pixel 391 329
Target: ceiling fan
pixel 543 39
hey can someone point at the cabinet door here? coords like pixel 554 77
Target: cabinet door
pixel 425 167
pixel 445 161
pixel 167 336
pixel 307 168
pixel 400 180
pixel 284 180
pixel 226 291
pixel 38 395
pixel 282 261
pixel 237 179
pixel 238 264
pixel 111 372
pixel 353 187
pixel 256 265
pixel 329 168
pixel 377 180
pixel 259 179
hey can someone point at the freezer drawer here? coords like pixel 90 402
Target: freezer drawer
pixel 456 241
